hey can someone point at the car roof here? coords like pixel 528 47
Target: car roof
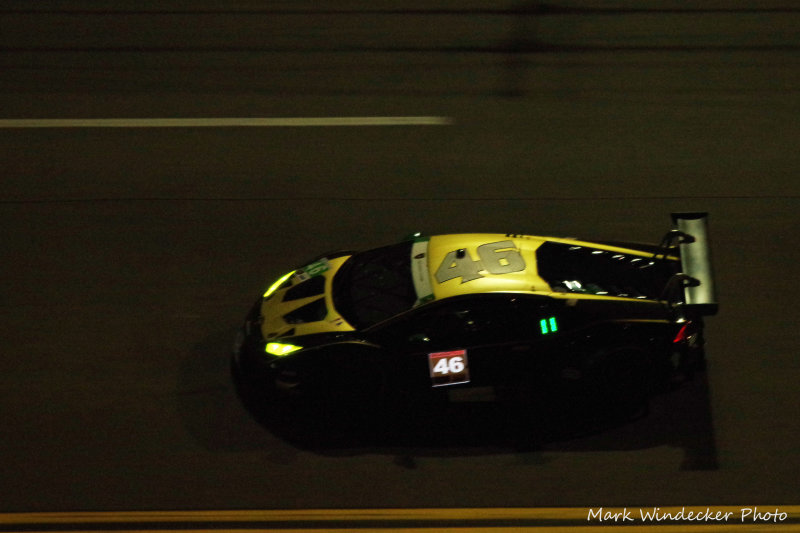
pixel 471 255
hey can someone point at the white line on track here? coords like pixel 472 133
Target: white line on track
pixel 221 122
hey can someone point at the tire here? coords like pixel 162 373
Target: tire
pixel 253 397
pixel 348 390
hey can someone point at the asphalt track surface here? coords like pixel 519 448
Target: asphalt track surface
pixel 130 255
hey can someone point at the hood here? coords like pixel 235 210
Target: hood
pixel 302 303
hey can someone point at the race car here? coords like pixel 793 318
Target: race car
pixel 542 318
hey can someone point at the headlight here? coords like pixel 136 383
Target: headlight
pixel 274 286
pixel 279 349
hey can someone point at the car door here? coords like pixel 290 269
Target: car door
pixel 510 337
pixel 456 341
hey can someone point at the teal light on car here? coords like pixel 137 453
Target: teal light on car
pixel 548 325
pixel 280 349
pixel 281 281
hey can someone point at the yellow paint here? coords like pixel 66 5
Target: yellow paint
pixel 538 520
pixel 527 280
pixel 606 297
pixel 278 349
pixel 617 249
pixel 278 283
pixel 273 309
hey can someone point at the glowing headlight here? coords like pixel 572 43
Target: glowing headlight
pixel 279 349
pixel 274 286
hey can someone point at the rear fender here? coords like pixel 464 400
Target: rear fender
pixel 654 336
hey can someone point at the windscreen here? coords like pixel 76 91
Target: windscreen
pixel 375 285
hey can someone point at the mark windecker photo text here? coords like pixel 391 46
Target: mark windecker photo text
pixel 683 514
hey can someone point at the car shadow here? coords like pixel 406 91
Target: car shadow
pixel 224 417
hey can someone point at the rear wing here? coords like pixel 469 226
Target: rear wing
pixel 699 295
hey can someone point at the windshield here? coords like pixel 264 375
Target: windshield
pixel 375 285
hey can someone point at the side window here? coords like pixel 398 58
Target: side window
pixel 462 323
pixel 506 318
pixel 459 323
pixel 433 326
pixel 443 326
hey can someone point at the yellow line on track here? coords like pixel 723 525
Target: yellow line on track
pixel 738 528
pixel 730 528
pixel 490 520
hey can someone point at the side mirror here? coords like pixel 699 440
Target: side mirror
pixel 412 236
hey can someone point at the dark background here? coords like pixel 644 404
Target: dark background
pixel 129 256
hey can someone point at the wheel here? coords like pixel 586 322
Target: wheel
pixel 252 394
pixel 349 388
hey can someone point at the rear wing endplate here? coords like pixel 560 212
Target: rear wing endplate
pixel 695 251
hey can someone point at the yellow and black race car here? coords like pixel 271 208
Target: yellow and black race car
pixel 604 322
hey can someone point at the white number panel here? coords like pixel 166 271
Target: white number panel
pixel 448 368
